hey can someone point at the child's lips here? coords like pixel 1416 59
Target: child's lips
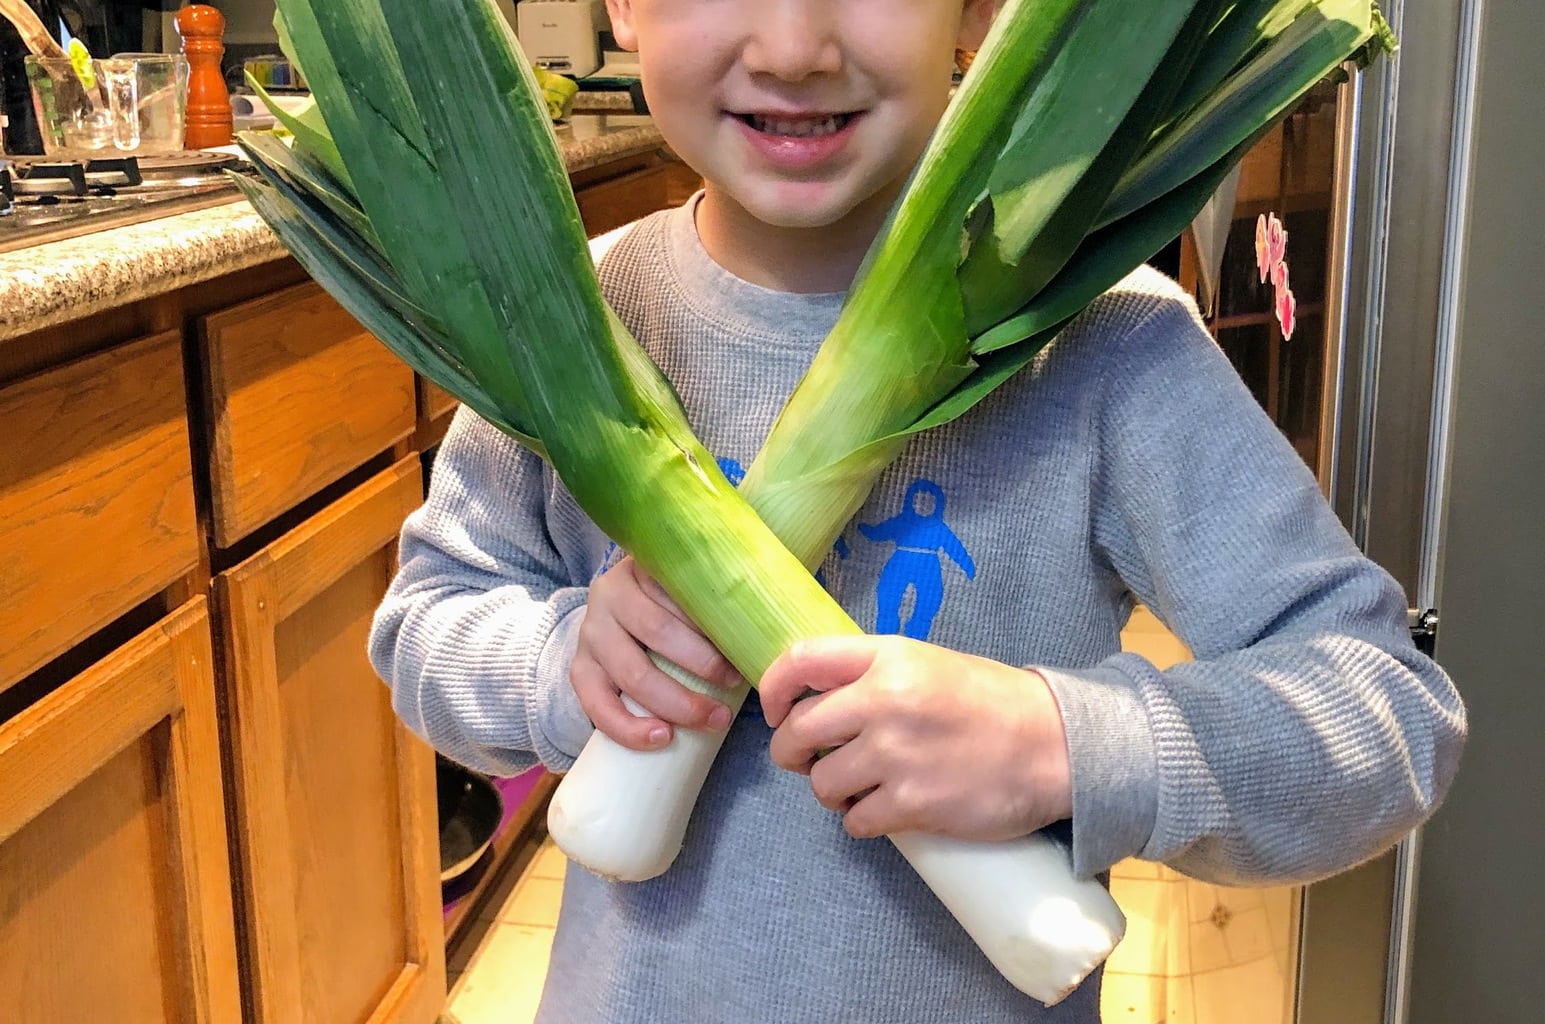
pixel 795 152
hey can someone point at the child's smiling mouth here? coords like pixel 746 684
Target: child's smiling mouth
pixel 797 142
pixel 798 126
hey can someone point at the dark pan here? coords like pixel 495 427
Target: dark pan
pixel 470 812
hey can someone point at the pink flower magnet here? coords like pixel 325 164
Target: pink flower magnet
pixel 1261 262
pixel 1271 242
pixel 1276 240
pixel 1287 310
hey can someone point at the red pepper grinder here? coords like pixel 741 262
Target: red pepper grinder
pixel 202 28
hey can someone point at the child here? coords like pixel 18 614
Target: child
pixel 1007 548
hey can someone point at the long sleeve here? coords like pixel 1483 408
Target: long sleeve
pixel 1308 734
pixel 476 632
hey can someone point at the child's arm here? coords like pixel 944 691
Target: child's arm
pixel 1309 733
pixel 476 630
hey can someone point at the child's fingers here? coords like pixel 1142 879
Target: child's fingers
pixel 843 777
pixel 824 663
pixel 603 705
pixel 878 813
pixel 651 586
pixel 662 627
pixel 814 726
pixel 630 670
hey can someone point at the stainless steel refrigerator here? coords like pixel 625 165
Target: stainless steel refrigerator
pixel 1421 404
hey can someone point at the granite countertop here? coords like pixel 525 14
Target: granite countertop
pixel 61 281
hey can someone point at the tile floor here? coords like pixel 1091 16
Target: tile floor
pixel 1193 954
pixel 497 976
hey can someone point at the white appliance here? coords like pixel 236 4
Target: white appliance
pixel 562 35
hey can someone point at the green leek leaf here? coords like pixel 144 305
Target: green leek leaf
pixel 310 175
pixel 364 302
pixel 1318 42
pixel 992 281
pixel 1244 29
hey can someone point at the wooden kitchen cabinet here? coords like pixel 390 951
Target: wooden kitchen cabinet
pixel 298 394
pixel 615 195
pixel 209 812
pixel 114 881
pixel 337 852
pixel 95 450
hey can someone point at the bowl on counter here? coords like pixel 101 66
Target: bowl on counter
pixel 132 104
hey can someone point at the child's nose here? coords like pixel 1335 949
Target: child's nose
pixel 793 39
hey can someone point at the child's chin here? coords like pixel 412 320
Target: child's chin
pixel 801 207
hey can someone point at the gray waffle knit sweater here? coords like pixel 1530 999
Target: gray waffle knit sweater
pixel 1128 463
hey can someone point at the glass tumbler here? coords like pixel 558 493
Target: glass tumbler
pixel 129 104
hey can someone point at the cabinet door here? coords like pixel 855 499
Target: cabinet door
pixel 115 889
pixel 338 854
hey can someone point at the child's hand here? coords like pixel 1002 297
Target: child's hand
pixel 928 740
pixel 628 612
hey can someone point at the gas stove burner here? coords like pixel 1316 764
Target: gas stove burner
pixel 95 177
pixel 193 162
pixel 46 199
pixel 190 167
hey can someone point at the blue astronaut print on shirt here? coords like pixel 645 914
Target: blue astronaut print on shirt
pixel 733 471
pixel 610 557
pixel 920 535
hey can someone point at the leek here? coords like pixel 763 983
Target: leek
pixel 1086 135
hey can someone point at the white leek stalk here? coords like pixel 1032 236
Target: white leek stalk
pixel 623 813
pixel 1043 929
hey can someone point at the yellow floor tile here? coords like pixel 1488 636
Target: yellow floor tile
pixel 1248 937
pixel 1282 914
pixel 550 862
pixel 1137 999
pixel 1146 636
pixel 1255 992
pixel 1132 868
pixel 1131 998
pixel 503 983
pixel 1202 900
pixel 1209 951
pixel 1156 941
pixel 535 902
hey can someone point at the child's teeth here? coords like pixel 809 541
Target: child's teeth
pixel 802 128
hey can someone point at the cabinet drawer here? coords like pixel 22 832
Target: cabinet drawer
pixel 96 497
pixel 434 402
pixel 114 879
pixel 299 394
